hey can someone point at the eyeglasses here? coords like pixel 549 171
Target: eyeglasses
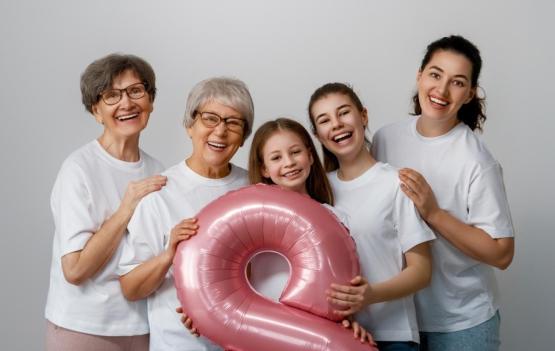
pixel 212 120
pixel 134 91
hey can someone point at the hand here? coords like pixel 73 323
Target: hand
pixel 183 230
pixel 187 322
pixel 354 297
pixel 415 186
pixel 138 189
pixel 359 332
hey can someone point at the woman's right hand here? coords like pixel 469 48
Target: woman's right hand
pixel 138 189
pixel 187 322
pixel 183 230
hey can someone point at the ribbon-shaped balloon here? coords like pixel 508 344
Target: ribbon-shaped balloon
pixel 211 281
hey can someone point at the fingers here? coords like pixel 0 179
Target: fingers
pixel 347 289
pixel 346 323
pixel 346 313
pixel 148 185
pixel 358 280
pixel 411 174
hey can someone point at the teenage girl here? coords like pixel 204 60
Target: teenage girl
pixel 392 240
pixel 457 186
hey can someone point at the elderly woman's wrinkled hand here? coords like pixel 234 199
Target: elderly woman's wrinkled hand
pixel 136 190
pixel 187 322
pixel 184 230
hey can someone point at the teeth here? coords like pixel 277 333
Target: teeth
pixel 218 145
pixel 438 101
pixel 125 118
pixel 292 173
pixel 342 136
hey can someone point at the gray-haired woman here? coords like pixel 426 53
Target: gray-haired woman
pixel 94 196
pixel 218 119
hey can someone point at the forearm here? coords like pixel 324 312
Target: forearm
pixel 473 242
pixel 144 279
pixel 415 276
pixel 82 265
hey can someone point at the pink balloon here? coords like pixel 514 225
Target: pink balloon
pixel 210 272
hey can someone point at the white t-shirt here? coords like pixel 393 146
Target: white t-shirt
pixel 270 271
pixel 184 195
pixel 385 225
pixel 467 181
pixel 87 191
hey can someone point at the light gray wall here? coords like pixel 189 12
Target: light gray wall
pixel 283 50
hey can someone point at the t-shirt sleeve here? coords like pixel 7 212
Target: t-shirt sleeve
pixel 145 237
pixel 488 208
pixel 72 209
pixel 411 228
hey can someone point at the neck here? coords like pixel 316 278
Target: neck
pixel 208 171
pixel 125 149
pixel 433 128
pixel 351 168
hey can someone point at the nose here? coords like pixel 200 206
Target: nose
pixel 220 129
pixel 289 161
pixel 442 87
pixel 125 100
pixel 336 122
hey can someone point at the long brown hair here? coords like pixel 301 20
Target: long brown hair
pixel 317 184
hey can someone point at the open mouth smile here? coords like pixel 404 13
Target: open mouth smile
pixel 127 117
pixel 341 137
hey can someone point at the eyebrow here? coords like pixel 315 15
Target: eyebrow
pixel 337 109
pixel 456 75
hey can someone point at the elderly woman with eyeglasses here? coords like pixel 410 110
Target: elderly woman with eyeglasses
pixel 93 199
pixel 218 119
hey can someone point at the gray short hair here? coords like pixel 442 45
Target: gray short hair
pixel 99 76
pixel 228 91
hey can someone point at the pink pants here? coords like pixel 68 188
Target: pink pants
pixel 61 339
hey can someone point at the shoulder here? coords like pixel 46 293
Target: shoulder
pixel 395 128
pixel 239 175
pixel 476 149
pixel 152 163
pixel 79 162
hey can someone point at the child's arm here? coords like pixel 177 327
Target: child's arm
pixel 472 241
pixel 415 276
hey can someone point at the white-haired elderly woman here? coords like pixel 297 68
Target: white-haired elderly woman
pixel 218 119
pixel 94 196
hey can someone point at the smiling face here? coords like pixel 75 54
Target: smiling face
pixel 444 86
pixel 287 161
pixel 340 125
pixel 128 117
pixel 213 147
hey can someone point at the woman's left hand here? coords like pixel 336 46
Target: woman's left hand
pixel 354 297
pixel 415 186
pixel 359 332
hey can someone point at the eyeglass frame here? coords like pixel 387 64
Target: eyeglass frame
pixel 220 120
pixel 121 91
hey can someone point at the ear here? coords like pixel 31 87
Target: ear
pixel 471 95
pixel 189 131
pixel 364 117
pixel 418 75
pixel 311 159
pixel 96 114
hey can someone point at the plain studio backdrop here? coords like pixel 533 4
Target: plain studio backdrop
pixel 283 50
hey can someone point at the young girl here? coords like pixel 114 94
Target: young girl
pixel 392 240
pixel 462 198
